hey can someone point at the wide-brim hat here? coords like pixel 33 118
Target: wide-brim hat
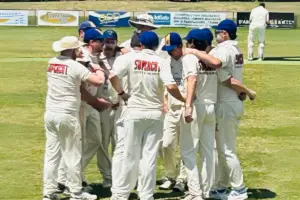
pixel 68 42
pixel 145 20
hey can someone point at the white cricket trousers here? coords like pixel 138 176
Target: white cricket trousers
pixel 141 143
pixel 63 141
pixel 206 118
pixel 255 31
pixel 107 118
pixel 170 141
pixel 93 143
pixel 229 168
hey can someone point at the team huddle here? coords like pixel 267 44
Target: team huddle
pixel 143 98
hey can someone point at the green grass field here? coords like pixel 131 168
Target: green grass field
pixel 269 140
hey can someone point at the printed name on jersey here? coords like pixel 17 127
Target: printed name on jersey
pixel 146 66
pixel 58 69
pixel 204 69
pixel 239 60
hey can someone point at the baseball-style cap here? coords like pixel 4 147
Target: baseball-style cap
pixel 92 34
pixel 65 43
pixel 149 39
pixel 227 25
pixel 86 25
pixel 143 19
pixel 200 34
pixel 110 34
pixel 172 41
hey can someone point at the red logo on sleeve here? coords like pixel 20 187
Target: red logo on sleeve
pixel 58 69
pixel 142 65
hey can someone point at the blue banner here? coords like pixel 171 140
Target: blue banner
pixel 110 18
pixel 161 18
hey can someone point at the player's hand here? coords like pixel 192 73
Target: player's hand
pixel 115 106
pixel 252 95
pixel 165 108
pixel 125 97
pixel 242 96
pixel 102 104
pixel 188 114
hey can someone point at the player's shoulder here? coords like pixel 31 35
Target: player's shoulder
pixel 189 58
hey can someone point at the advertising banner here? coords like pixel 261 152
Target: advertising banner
pixel 277 20
pixel 57 18
pixel 13 18
pixel 187 19
pixel 110 18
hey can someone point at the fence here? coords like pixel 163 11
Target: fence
pixel 120 19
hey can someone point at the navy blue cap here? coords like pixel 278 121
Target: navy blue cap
pixel 92 34
pixel 200 34
pixel 110 34
pixel 172 41
pixel 227 25
pixel 149 39
pixel 86 25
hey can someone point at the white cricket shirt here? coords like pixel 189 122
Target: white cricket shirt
pixel 147 75
pixel 232 66
pixel 64 77
pixel 207 84
pixel 259 16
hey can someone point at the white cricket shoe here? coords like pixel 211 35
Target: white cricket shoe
pixel 238 194
pixel 218 194
pixel 83 196
pixel 192 197
pixel 179 186
pixel 167 185
pixel 106 183
pixel 250 59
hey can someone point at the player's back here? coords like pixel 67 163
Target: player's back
pixel 64 77
pixel 145 85
pixel 259 16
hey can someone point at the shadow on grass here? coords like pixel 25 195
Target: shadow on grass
pixel 283 58
pixel 259 193
pixel 168 195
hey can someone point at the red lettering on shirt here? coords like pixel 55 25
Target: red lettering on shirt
pixel 58 69
pixel 144 65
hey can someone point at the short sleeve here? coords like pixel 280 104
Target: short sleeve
pixel 222 55
pixel 190 65
pixel 120 67
pixel 165 73
pixel 82 72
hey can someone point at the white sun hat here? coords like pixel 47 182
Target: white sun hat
pixel 65 43
pixel 143 19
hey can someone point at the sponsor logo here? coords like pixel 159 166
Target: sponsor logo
pixel 109 18
pixel 58 18
pixel 161 18
pixel 58 69
pixel 143 65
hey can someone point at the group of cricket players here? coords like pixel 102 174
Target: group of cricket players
pixel 144 98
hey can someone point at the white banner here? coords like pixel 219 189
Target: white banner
pixel 13 18
pixel 57 18
pixel 187 19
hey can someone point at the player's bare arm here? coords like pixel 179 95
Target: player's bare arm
pixel 209 60
pixel 191 89
pixel 165 107
pixel 239 88
pixel 96 78
pixel 116 83
pixel 174 91
pixel 97 103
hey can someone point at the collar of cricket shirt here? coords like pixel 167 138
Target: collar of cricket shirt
pixel 149 51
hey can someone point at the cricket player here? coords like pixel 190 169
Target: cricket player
pixel 184 69
pixel 259 19
pixel 63 132
pixel 110 52
pixel 228 59
pixel 147 75
pixel 206 98
pixel 92 126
